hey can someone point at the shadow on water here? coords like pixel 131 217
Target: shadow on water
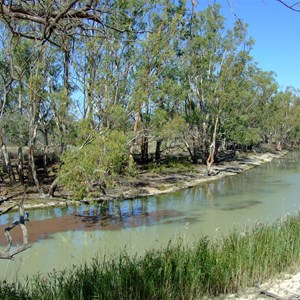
pixel 115 216
pixel 241 205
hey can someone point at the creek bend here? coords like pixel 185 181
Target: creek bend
pixel 63 237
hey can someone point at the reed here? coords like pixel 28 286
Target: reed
pixel 207 268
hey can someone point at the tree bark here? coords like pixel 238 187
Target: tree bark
pixel 192 156
pixel 20 165
pixel 157 152
pixel 32 166
pixel 144 147
pixel 7 161
pixel 135 131
pixel 212 150
pixel 53 187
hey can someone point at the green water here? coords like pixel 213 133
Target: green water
pixel 262 194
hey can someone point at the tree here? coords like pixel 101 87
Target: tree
pixel 216 59
pixel 155 58
pixel 92 166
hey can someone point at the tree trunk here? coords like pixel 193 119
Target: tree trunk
pixel 212 148
pixel 8 166
pixel 53 187
pixel 32 166
pixel 31 145
pixel 144 147
pixel 135 130
pixel 157 152
pixel 20 165
pixel 192 156
pixel 46 151
pixel 7 162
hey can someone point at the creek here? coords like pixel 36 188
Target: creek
pixel 63 237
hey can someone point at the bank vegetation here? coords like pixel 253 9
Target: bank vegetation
pixel 208 268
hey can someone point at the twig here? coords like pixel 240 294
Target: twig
pixel 270 295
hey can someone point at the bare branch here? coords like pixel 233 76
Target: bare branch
pixel 292 6
pixel 56 24
pixel 24 217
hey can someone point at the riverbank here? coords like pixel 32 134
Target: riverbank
pixel 145 183
pixel 282 287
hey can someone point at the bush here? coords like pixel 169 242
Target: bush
pixel 94 164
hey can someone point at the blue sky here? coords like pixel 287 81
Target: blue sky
pixel 276 31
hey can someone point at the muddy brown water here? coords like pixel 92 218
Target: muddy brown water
pixel 63 237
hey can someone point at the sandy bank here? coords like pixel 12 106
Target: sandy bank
pixel 283 287
pixel 146 183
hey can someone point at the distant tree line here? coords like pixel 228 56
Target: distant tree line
pixel 105 85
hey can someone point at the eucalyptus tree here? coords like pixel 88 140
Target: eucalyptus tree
pixel 284 118
pixel 239 128
pixel 264 90
pixel 157 52
pixel 6 87
pixel 216 59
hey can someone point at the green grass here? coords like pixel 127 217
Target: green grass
pixel 207 268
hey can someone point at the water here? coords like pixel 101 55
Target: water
pixel 262 194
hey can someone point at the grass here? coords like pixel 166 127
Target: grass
pixel 208 268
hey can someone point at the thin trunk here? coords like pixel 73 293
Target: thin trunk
pixel 46 151
pixel 7 162
pixel 20 165
pixel 53 187
pixel 157 152
pixel 32 166
pixel 193 158
pixel 195 161
pixel 31 146
pixel 35 102
pixel 212 148
pixel 20 149
pixel 62 125
pixel 66 71
pixel 144 147
pixel 135 131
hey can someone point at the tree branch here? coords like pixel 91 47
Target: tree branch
pixel 292 6
pixel 65 21
pixel 24 217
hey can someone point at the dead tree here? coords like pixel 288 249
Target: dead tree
pixel 9 252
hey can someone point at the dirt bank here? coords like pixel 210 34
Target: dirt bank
pixel 144 183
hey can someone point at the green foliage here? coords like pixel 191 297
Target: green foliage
pixel 165 127
pixel 117 119
pixel 15 127
pixel 95 163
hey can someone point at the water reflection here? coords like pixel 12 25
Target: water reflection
pixel 82 232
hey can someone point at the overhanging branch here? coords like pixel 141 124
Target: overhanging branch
pixel 55 24
pixel 291 6
pixel 9 253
